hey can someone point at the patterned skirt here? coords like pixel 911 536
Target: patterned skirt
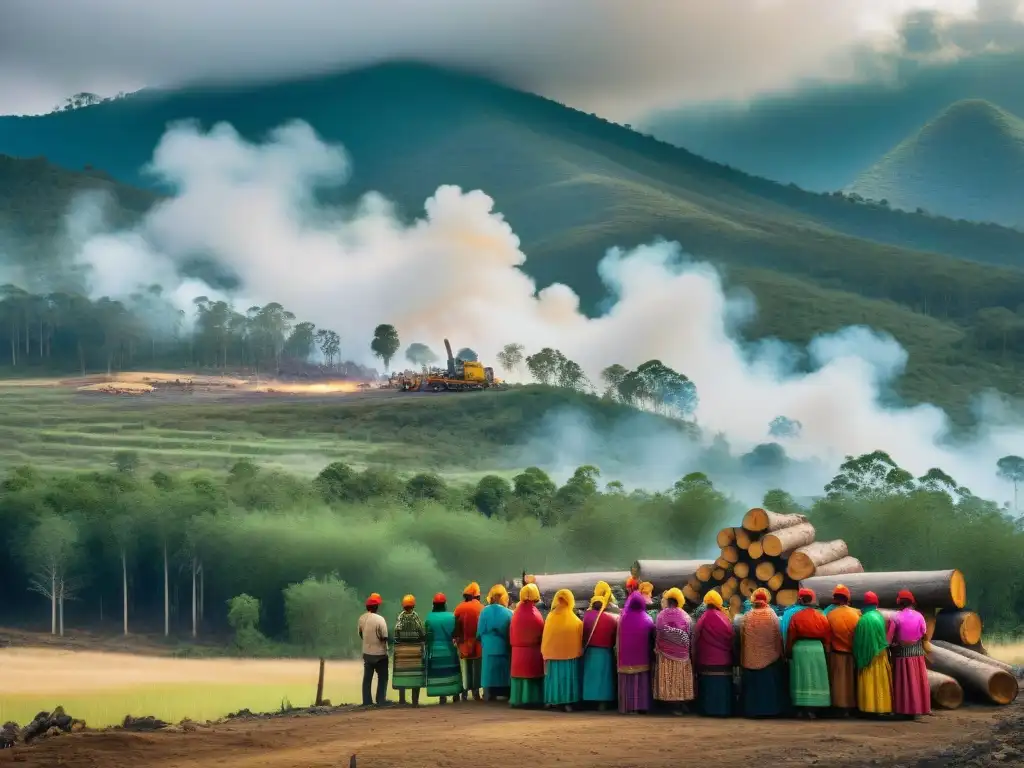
pixel 444 677
pixel 673 680
pixel 408 669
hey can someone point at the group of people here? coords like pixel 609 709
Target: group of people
pixel 646 656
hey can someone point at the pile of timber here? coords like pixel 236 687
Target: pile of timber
pixel 580 584
pixel 768 550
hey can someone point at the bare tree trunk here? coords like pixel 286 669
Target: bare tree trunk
pixel 320 685
pixel 124 587
pixel 167 597
pixel 62 607
pixel 202 590
pixel 53 603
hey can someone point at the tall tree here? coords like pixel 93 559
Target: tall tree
pixel 385 343
pixel 613 376
pixel 545 365
pixel 50 551
pixel 467 355
pixel 420 354
pixel 301 342
pixel 1011 468
pixel 511 357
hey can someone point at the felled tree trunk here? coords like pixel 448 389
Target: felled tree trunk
pixel 726 536
pixel 840 566
pixel 946 692
pixel 741 570
pixel 765 570
pixel 665 574
pixel 580 584
pixel 981 679
pixel 759 520
pixel 775 543
pixel 932 589
pixel 967 653
pixel 960 627
pixel 803 562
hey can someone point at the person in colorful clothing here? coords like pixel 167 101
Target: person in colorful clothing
pixel 599 631
pixel 408 667
pixel 871 641
pixel 911 693
pixel 467 615
pixel 525 634
pixel 635 644
pixel 673 678
pixel 763 690
pixel 808 641
pixel 562 649
pixel 713 639
pixel 842 669
pixel 647 590
pixel 492 631
pixel 444 675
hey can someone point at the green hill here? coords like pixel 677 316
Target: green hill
pixel 968 162
pixel 572 185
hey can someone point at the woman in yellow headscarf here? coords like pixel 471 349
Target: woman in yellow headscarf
pixel 562 648
pixel 647 590
pixel 712 654
pixel 492 631
pixel 525 636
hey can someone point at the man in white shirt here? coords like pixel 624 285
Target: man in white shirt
pixel 373 630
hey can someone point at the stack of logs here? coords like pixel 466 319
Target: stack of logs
pixel 772 551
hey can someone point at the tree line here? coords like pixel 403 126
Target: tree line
pixel 282 559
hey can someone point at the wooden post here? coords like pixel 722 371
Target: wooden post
pixel 320 685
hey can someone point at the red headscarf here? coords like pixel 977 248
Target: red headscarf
pixel 870 598
pixel 440 598
pixel 804 592
pixel 841 591
pixel 373 599
pixel 905 596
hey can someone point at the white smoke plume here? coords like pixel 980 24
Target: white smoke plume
pixel 454 272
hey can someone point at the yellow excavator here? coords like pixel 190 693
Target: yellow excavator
pixel 459 376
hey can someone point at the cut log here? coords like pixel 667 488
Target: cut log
pixel 580 584
pixel 765 570
pixel 967 653
pixel 803 562
pixel 691 595
pixel 960 627
pixel 946 692
pixel 775 543
pixel 694 584
pixel 726 536
pixel 932 589
pixel 735 605
pixel 743 538
pixel 760 520
pixel 978 678
pixel 747 587
pixel 731 554
pixel 665 574
pixel 718 574
pixel 775 582
pixel 704 571
pixel 755 550
pixel 786 597
pixel 721 562
pixel 837 567
pixel 729 587
pixel 741 570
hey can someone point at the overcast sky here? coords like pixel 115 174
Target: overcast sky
pixel 619 58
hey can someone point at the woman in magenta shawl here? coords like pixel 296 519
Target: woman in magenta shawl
pixel 636 649
pixel 713 658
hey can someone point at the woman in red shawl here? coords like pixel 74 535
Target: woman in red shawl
pixel 713 640
pixel 525 634
pixel 808 640
pixel 911 694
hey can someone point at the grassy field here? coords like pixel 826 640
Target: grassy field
pixel 101 688
pixel 462 436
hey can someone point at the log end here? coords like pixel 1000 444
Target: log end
pixel 704 572
pixel 958 589
pixel 764 571
pixel 775 582
pixel 946 692
pixel 786 597
pixel 1003 688
pixel 742 570
pixel 718 574
pixel 755 550
pixel 970 628
pixel 726 536
pixel 756 520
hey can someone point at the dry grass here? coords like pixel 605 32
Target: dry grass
pixel 102 688
pixel 1012 652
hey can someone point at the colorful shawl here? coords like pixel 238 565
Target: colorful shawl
pixel 525 633
pixel 599 629
pixel 713 639
pixel 562 639
pixel 673 634
pixel 843 622
pixel 870 637
pixel 760 639
pixel 808 624
pixel 467 615
pixel 409 628
pixel 636 629
pixel 786 617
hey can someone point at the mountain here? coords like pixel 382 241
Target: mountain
pixel 967 162
pixel 573 185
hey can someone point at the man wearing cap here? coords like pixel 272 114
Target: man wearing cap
pixel 467 618
pixel 373 631
pixel 842 671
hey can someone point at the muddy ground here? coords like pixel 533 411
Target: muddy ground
pixel 493 736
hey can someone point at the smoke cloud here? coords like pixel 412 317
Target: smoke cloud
pixel 454 272
pixel 618 59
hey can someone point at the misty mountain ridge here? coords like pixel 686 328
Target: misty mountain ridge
pixel 572 185
pixel 967 162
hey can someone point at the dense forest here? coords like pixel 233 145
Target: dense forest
pixel 200 554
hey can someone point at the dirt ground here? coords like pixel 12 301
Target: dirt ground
pixel 493 736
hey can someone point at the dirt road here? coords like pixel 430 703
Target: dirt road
pixel 493 736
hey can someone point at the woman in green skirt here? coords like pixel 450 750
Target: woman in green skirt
pixel 808 640
pixel 525 635
pixel 444 672
pixel 562 648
